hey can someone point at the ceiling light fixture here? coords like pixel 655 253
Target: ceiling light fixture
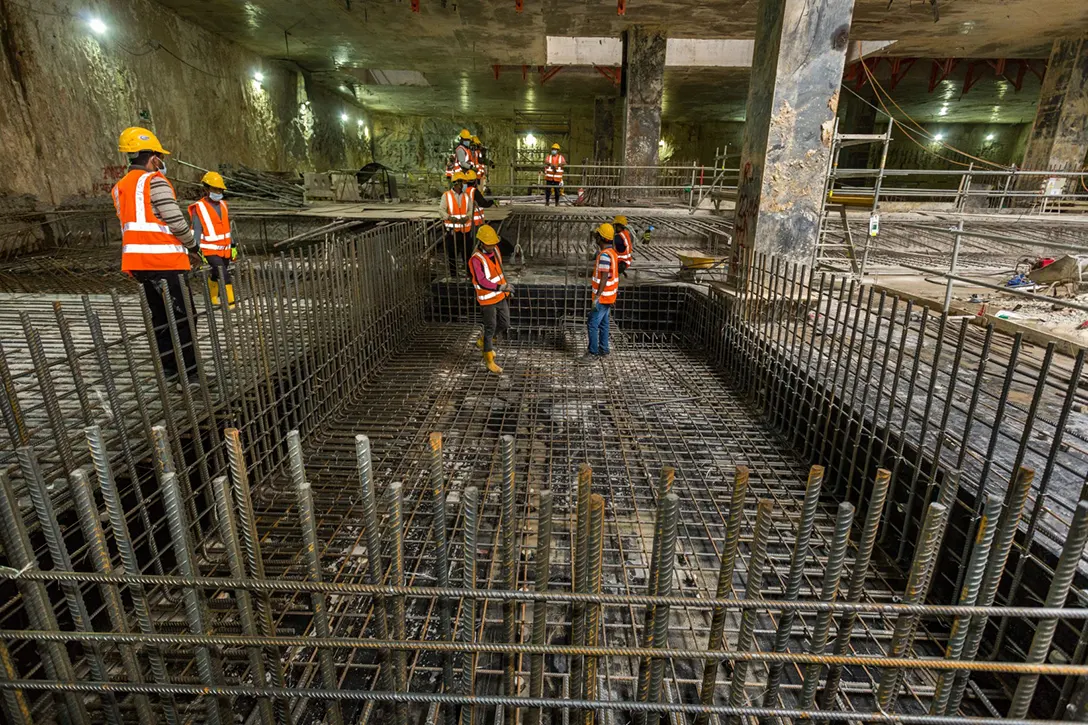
pixel 938 137
pixel 258 76
pixel 359 121
pixel 97 26
pixel 344 117
pixel 661 142
pixel 530 139
pixel 990 137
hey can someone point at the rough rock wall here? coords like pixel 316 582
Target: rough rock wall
pixel 65 93
pixel 1005 148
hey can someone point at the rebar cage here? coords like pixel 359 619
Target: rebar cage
pixel 796 499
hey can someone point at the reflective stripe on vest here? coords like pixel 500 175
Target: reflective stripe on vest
pixel 553 167
pixel 606 271
pixel 147 243
pixel 626 255
pixel 214 229
pixel 494 274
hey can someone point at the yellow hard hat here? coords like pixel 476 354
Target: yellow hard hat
pixel 620 219
pixel 460 176
pixel 134 139
pixel 476 140
pixel 555 146
pixel 470 175
pixel 607 231
pixel 465 133
pixel 486 235
pixel 213 179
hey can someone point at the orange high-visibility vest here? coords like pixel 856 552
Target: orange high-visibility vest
pixel 553 167
pixel 457 209
pixel 493 271
pixel 147 244
pixel 627 255
pixel 215 231
pixel 606 276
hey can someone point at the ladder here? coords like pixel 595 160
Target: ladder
pixel 835 243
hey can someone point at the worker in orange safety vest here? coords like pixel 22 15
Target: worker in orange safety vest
pixel 460 216
pixel 625 243
pixel 212 230
pixel 492 291
pixel 605 285
pixel 553 174
pixel 155 247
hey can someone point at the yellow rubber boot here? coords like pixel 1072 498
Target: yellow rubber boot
pixel 213 287
pixel 489 361
pixel 480 342
pixel 230 295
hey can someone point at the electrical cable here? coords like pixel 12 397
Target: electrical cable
pixel 880 90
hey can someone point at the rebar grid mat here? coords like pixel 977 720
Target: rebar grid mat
pixel 322 361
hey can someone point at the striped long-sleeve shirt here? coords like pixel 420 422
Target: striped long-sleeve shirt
pixel 165 206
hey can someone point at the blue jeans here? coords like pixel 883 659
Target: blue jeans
pixel 598 329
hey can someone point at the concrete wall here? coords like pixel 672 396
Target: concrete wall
pixel 65 94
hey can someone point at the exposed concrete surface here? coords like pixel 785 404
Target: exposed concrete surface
pixel 66 94
pixel 1059 136
pixel 792 101
pixel 644 76
pixel 604 127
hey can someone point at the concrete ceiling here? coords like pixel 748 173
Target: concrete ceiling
pixel 455 43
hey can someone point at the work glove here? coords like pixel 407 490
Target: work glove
pixel 233 253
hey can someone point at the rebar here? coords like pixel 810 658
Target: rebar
pixel 1004 536
pixel 508 527
pixel 466 630
pixel 976 567
pixel 921 572
pixel 313 560
pixel 58 553
pixel 17 546
pixel 835 559
pixel 396 604
pixel 441 556
pixel 195 606
pixel 753 590
pixel 725 584
pixel 856 586
pixel 794 578
pixel 115 609
pixel 542 575
pixel 580 576
pixel 593 611
pixel 1055 597
pixel 372 534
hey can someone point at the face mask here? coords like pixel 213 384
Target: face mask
pixel 162 165
pixel 215 196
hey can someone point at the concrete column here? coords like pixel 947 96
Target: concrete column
pixel 1059 136
pixel 604 128
pixel 642 86
pixel 793 96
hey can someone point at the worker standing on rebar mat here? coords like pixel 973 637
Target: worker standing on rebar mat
pixel 460 216
pixel 492 291
pixel 553 174
pixel 213 233
pixel 156 241
pixel 625 243
pixel 606 283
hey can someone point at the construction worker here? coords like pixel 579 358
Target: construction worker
pixel 625 243
pixel 553 173
pixel 492 290
pixel 460 216
pixel 462 153
pixel 479 201
pixel 156 242
pixel 606 282
pixel 212 231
